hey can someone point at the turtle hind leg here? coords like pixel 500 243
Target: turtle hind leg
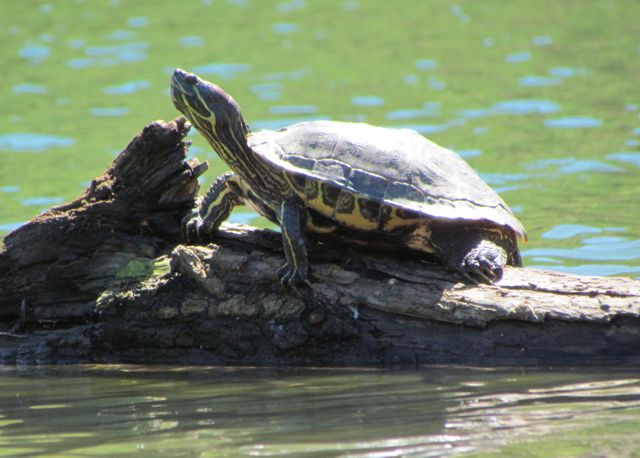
pixel 477 254
pixel 483 263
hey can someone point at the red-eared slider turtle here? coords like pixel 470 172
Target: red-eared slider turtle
pixel 386 188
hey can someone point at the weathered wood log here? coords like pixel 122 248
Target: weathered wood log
pixel 105 279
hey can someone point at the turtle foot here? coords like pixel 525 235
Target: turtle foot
pixel 483 264
pixel 191 226
pixel 291 277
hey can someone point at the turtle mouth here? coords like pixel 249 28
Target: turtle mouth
pixel 193 88
pixel 185 78
pixel 185 88
pixel 183 84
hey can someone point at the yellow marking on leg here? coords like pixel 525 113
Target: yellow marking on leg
pixel 287 239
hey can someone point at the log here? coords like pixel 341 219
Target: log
pixel 105 279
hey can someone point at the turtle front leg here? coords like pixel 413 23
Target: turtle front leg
pixel 223 195
pixel 291 218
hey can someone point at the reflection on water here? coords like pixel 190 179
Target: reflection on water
pixel 221 70
pixel 279 123
pixel 43 201
pixel 517 57
pixel 293 109
pixel 429 109
pixel 19 142
pixel 30 88
pixel 109 111
pixel 191 40
pixel 565 231
pixel 538 80
pixel 573 122
pixel 262 412
pixel 285 28
pixel 548 118
pixel 35 53
pixel 128 87
pixel 594 249
pixel 571 165
pixel 111 55
pixel 632 157
pixel 367 101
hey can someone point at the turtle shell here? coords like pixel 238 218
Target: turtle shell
pixel 398 168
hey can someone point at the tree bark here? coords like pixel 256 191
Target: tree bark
pixel 105 279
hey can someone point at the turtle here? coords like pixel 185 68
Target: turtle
pixel 346 182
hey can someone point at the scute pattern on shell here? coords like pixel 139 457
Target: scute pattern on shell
pixel 397 167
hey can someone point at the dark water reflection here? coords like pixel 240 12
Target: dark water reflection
pixel 267 412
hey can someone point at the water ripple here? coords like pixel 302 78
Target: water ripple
pixel 526 106
pixel 22 142
pixel 538 81
pixel 287 7
pixel 567 72
pixel 35 53
pixel 542 40
pixel 120 35
pixel 437 84
pixel 293 109
pixel 429 109
pixel 467 153
pixel 573 122
pixel 594 249
pixel 111 55
pixel 367 101
pixel 30 88
pixel 513 107
pixel 127 88
pixel 267 91
pixel 109 112
pixel 424 129
pixel 518 57
pixel 275 124
pixel 222 70
pixel 571 165
pixel 285 28
pixel 191 40
pixel 566 231
pixel 632 157
pixel 42 201
pixel 139 21
pixel 427 64
pixel 10 227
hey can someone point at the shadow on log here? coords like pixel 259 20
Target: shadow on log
pixel 105 279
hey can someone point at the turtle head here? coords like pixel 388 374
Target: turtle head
pixel 210 109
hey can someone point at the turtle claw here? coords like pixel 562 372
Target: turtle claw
pixel 482 265
pixel 191 225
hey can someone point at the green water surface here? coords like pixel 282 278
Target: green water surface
pixel 92 411
pixel 540 96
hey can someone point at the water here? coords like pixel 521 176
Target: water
pixel 122 410
pixel 554 104
pixel 545 108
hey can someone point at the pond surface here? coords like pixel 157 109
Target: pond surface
pixel 541 97
pixel 212 412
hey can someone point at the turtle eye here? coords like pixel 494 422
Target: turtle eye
pixel 191 79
